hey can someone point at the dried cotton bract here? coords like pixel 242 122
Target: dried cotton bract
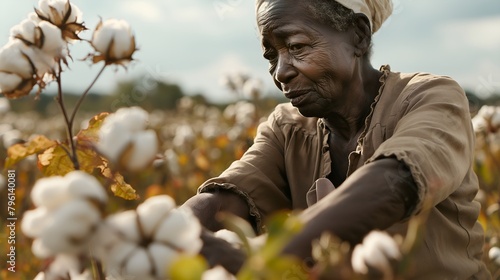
pixel 63 14
pixel 144 243
pixel 125 141
pixel 114 41
pixel 42 35
pixel 67 214
pixel 377 252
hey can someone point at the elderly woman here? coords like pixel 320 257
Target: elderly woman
pixel 357 148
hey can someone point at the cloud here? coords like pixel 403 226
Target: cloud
pixel 148 11
pixel 481 34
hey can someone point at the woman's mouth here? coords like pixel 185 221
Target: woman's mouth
pixel 297 97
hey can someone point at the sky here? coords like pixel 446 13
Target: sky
pixel 196 42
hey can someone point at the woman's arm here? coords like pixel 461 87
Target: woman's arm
pixel 205 207
pixel 376 196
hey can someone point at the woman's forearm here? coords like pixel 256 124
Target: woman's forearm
pixel 376 196
pixel 205 207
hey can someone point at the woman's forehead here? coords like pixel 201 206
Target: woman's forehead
pixel 272 14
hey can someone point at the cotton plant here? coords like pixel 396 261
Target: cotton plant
pixel 144 243
pixel 36 55
pixel 487 119
pixel 69 200
pixel 376 255
pixel 125 140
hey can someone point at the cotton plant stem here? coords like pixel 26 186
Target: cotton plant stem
pixel 80 101
pixel 97 270
pixel 69 130
pixel 70 120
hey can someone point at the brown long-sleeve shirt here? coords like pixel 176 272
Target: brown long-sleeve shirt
pixel 423 121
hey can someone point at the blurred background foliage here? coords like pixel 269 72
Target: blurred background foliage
pixel 199 140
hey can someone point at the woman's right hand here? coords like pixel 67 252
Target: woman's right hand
pixel 220 252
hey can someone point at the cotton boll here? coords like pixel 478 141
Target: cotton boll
pixel 53 44
pixel 69 228
pixel 11 137
pixel 494 255
pixel 54 10
pixel 114 40
pixel 40 276
pixel 42 35
pixel 152 211
pixel 50 192
pixel 126 224
pixel 181 229
pixel 33 221
pixel 26 30
pixel 83 185
pixel 4 104
pixel 104 240
pixel 217 273
pixel 183 134
pixel 9 82
pixel 495 119
pixel 134 118
pixel 377 250
pixel 139 264
pixel 76 14
pixel 252 88
pixel 479 124
pixel 118 256
pixel 162 257
pixel 245 114
pixel 102 37
pixel 12 59
pixel 64 265
pixel 40 250
pixel 230 237
pixel 113 139
pixel 486 111
pixel 34 17
pixel 144 149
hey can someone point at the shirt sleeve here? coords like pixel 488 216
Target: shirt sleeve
pixel 433 137
pixel 259 176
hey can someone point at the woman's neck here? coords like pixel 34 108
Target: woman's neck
pixel 349 120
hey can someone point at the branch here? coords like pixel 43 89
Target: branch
pixel 69 123
pixel 80 101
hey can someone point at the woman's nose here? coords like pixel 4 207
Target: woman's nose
pixel 285 71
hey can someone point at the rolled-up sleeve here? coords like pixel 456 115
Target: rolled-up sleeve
pixel 433 137
pixel 259 176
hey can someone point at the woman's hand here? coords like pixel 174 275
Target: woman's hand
pixel 220 252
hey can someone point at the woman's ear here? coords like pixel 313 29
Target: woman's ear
pixel 363 35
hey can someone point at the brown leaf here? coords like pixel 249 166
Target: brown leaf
pixel 118 186
pixel 19 152
pixel 55 161
pixel 91 133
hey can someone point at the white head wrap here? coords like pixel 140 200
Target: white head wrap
pixel 377 11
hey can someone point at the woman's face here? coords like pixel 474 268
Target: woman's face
pixel 313 64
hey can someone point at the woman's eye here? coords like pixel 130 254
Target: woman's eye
pixel 295 48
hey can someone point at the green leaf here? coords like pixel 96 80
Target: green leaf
pixel 19 152
pixel 268 263
pixel 188 268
